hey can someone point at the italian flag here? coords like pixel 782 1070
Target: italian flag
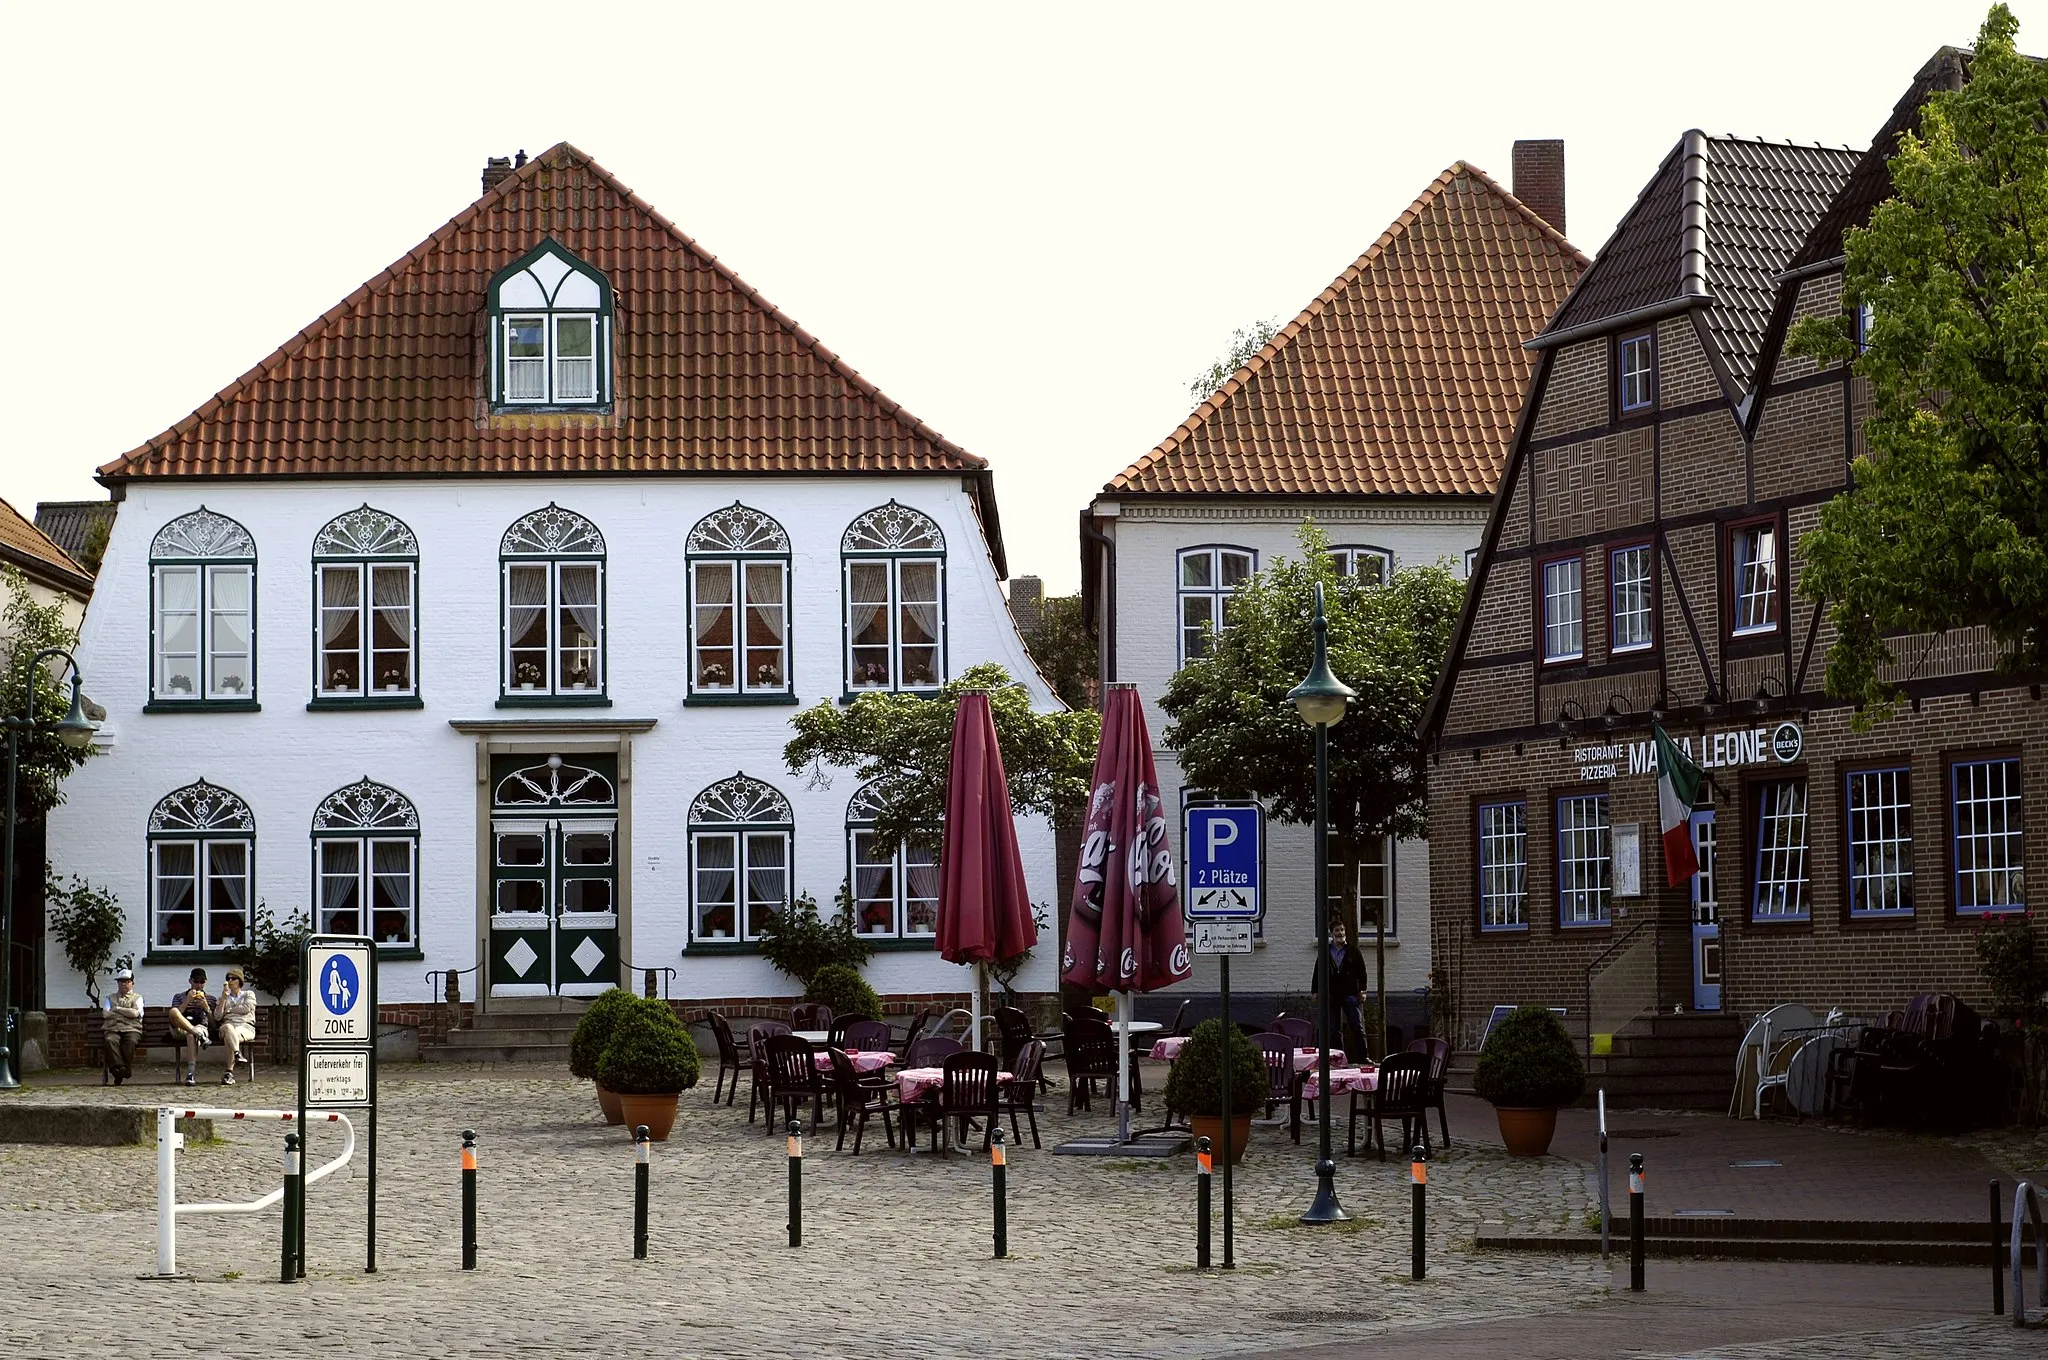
pixel 1678 788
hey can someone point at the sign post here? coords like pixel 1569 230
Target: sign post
pixel 1226 862
pixel 338 1058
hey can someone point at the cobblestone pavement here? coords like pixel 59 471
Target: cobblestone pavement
pixel 896 1247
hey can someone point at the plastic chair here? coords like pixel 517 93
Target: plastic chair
pixel 932 1051
pixel 967 1093
pixel 810 1015
pixel 1302 1032
pixel 757 1052
pixel 1090 1047
pixel 858 1100
pixel 728 1058
pixel 1013 1031
pixel 1438 1054
pixel 867 1036
pixel 792 1077
pixel 1019 1094
pixel 1400 1093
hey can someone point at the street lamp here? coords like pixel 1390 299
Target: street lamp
pixel 75 731
pixel 1321 700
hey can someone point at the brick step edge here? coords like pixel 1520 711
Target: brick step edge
pixel 1708 1227
pixel 1494 1238
pixel 556 1054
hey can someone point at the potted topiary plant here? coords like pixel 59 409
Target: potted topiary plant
pixel 1528 1070
pixel 587 1045
pixel 650 1061
pixel 841 987
pixel 1195 1085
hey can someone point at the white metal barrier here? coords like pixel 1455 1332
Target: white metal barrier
pixel 2026 1205
pixel 168 1143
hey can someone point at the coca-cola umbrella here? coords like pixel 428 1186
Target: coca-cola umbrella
pixel 984 905
pixel 1124 931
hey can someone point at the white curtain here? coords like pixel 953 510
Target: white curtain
pixel 526 595
pixel 228 867
pixel 342 588
pixel 391 871
pixel 339 880
pixel 920 594
pixel 579 602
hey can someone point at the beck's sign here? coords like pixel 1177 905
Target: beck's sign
pixel 1781 743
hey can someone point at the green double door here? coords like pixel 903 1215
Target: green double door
pixel 554 921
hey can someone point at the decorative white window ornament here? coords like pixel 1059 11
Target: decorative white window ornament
pixel 555 783
pixel 366 806
pixel 894 564
pixel 738 562
pixel 200 808
pixel 365 569
pixel 551 564
pixel 551 324
pixel 203 611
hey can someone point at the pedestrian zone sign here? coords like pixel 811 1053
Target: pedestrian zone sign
pixel 1224 862
pixel 337 985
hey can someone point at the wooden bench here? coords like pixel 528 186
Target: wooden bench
pixel 156 1034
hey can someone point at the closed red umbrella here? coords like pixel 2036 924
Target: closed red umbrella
pixel 984 905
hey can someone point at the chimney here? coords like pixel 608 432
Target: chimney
pixel 499 169
pixel 1539 179
pixel 1027 602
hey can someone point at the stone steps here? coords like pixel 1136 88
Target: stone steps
pixel 514 1030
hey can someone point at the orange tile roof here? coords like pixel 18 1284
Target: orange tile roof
pixel 25 546
pixel 1403 377
pixel 710 378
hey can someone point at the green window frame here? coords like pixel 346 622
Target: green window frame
pixel 365 612
pixel 738 565
pixel 895 887
pixel 893 570
pixel 742 843
pixel 366 848
pixel 550 334
pixel 201 849
pixel 551 574
pixel 202 615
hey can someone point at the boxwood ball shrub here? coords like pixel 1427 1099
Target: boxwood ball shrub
pixel 1530 1063
pixel 1195 1085
pixel 594 1030
pixel 650 1052
pixel 842 988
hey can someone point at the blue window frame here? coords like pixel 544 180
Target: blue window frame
pixel 1503 866
pixel 1563 604
pixel 1637 355
pixel 1585 861
pixel 1878 811
pixel 1782 873
pixel 1987 835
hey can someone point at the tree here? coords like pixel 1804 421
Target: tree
pixel 27 627
pixel 1237 735
pixel 270 960
pixel 89 923
pixel 903 744
pixel 1945 522
pixel 1064 652
pixel 1245 341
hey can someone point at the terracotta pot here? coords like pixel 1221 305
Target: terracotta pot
pixel 1526 1132
pixel 608 1101
pixel 657 1112
pixel 1211 1128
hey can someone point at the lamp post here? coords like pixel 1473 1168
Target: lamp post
pixel 1321 700
pixel 75 730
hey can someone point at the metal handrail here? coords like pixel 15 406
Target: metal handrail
pixel 668 975
pixel 452 993
pixel 2024 1198
pixel 1598 963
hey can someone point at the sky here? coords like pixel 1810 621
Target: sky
pixel 1032 225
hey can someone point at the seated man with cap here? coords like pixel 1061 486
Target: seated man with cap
pixel 191 1019
pixel 121 1032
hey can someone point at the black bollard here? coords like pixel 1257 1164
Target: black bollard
pixel 1635 1222
pixel 796 1183
pixel 469 1199
pixel 643 1148
pixel 1001 1165
pixel 1202 1203
pixel 285 1272
pixel 1998 1253
pixel 1418 1175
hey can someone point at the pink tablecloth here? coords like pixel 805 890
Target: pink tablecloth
pixel 922 1083
pixel 1363 1079
pixel 1168 1049
pixel 862 1062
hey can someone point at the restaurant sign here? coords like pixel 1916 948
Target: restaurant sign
pixel 1781 744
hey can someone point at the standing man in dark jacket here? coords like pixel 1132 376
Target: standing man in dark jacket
pixel 1347 965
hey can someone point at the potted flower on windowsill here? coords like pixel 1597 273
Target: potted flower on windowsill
pixel 713 676
pixel 718 923
pixel 526 675
pixel 1528 1070
pixel 587 1045
pixel 650 1061
pixel 1195 1086
pixel 766 677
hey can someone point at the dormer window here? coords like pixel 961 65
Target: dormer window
pixel 551 329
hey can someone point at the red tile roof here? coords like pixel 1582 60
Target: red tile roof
pixel 710 378
pixel 35 552
pixel 1403 377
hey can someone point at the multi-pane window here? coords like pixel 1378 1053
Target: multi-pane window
pixel 366 864
pixel 895 885
pixel 1376 893
pixel 1989 821
pixel 1753 576
pixel 1780 892
pixel 1372 565
pixel 1629 582
pixel 365 567
pixel 551 332
pixel 1209 577
pixel 203 588
pixel 1563 610
pixel 1503 866
pixel 553 567
pixel 1585 860
pixel 202 847
pixel 894 560
pixel 739 604
pixel 1638 372
pixel 740 837
pixel 1878 805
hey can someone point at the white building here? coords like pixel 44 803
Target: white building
pixel 1383 411
pixel 473 619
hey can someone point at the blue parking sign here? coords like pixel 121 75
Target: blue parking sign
pixel 1224 862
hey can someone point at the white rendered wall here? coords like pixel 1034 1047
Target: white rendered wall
pixel 284 759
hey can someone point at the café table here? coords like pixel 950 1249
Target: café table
pixel 863 1063
pixel 812 1036
pixel 919 1087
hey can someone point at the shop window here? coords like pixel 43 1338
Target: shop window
pixel 1879 808
pixel 1988 839
pixel 1503 866
pixel 1780 881
pixel 1585 865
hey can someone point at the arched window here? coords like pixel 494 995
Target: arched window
pixel 203 616
pixel 740 835
pixel 202 851
pixel 1374 566
pixel 551 334
pixel 552 563
pixel 1209 576
pixel 366 845
pixel 895 887
pixel 739 605
pixel 365 582
pixel 895 564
